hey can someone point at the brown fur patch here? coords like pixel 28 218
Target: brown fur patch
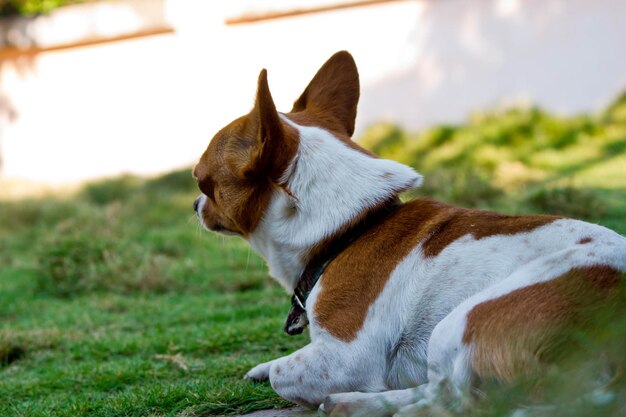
pixel 513 334
pixel 354 280
pixel 455 222
pixel 241 167
pixel 585 240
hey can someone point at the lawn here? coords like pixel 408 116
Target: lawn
pixel 113 302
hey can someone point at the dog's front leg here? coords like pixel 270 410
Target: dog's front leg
pixel 309 375
pixel 261 372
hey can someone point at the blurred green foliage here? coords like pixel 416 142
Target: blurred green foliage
pixel 520 161
pixel 32 7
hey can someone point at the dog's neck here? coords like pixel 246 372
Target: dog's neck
pixel 330 185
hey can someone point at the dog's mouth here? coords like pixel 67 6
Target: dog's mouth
pixel 218 228
pixel 214 226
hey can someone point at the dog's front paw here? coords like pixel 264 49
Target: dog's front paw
pixel 259 373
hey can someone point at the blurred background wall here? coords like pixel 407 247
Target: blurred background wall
pixel 141 86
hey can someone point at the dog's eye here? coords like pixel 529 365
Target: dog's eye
pixel 207 186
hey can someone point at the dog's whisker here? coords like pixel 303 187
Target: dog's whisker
pixel 193 219
pixel 248 259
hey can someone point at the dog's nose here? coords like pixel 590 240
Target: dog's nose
pixel 196 203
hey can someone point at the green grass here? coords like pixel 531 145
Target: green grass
pixel 113 302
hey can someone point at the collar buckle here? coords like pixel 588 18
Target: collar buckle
pixel 299 302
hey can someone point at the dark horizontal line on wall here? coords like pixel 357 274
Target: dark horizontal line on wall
pixel 12 52
pixel 260 17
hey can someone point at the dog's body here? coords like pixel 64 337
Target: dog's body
pixel 426 293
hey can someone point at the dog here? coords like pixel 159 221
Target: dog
pixel 403 301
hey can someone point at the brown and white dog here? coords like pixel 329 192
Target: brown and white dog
pixel 399 298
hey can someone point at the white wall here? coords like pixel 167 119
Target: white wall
pixel 568 56
pixel 151 104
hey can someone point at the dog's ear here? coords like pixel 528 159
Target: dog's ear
pixel 333 92
pixel 270 148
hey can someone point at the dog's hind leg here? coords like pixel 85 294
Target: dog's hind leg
pixel 516 325
pixel 449 382
pixel 448 376
pixel 369 404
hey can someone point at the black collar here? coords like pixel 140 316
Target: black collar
pixel 297 319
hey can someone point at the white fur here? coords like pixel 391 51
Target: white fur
pixel 201 202
pixel 331 183
pixel 425 301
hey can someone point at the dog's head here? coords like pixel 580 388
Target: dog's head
pixel 241 166
pixel 247 162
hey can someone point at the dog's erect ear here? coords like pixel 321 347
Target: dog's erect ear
pixel 333 92
pixel 271 149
